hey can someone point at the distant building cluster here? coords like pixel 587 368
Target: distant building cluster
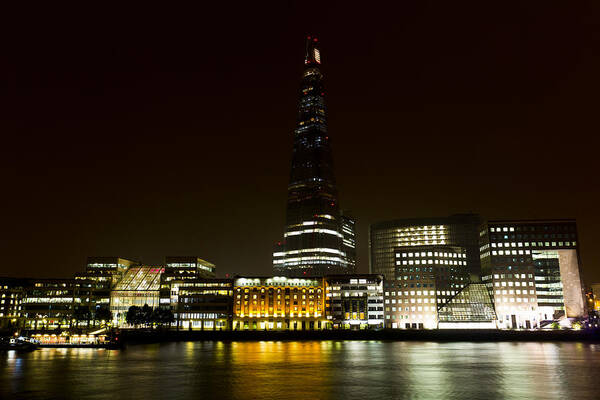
pixel 459 271
pixel 421 278
pixel 436 270
pixel 187 287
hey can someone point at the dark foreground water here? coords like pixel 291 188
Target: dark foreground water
pixel 307 370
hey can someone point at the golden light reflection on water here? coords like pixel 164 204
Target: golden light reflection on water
pixel 279 369
pixel 301 370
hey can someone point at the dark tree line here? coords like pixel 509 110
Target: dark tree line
pixel 100 313
pixel 146 315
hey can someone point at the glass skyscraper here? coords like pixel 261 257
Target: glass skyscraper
pixel 313 242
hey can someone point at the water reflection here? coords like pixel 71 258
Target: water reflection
pixel 323 370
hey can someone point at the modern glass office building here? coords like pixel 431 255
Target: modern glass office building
pixel 426 277
pixel 313 242
pixel 456 230
pixel 140 286
pixel 200 303
pixel 532 268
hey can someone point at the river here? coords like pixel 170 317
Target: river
pixel 307 370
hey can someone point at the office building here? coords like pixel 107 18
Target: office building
pixel 12 293
pixel 139 286
pixel 385 238
pixel 183 267
pixel 425 277
pixel 313 242
pixel 532 268
pixel 354 301
pixel 106 268
pixel 349 240
pixel 48 304
pixel 199 304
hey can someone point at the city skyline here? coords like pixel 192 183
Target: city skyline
pixel 140 148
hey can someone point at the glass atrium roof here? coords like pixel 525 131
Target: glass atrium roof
pixel 141 278
pixel 472 304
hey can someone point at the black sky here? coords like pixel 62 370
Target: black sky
pixel 167 131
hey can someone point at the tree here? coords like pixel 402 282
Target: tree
pixel 162 316
pixel 134 316
pixel 146 314
pixel 103 313
pixel 82 313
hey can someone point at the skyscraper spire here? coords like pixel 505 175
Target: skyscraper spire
pixel 314 239
pixel 313 54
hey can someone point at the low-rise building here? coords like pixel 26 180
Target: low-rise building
pixel 199 304
pixel 280 303
pixel 48 304
pixel 354 301
pixel 12 293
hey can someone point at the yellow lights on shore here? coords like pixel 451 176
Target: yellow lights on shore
pixel 278 303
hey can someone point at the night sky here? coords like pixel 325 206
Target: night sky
pixel 151 132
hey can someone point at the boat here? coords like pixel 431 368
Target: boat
pixel 18 343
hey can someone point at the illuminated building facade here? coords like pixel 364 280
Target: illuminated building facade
pixel 12 293
pixel 457 230
pixel 279 303
pixel 532 268
pixel 92 289
pixel 199 304
pixel 471 308
pixel 139 286
pixel 313 243
pixel 593 297
pixel 354 301
pixel 106 268
pixel 349 240
pixel 48 304
pixel 182 267
pixel 425 278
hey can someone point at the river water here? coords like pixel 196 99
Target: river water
pixel 307 370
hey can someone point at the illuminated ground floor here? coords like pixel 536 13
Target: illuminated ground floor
pixel 202 321
pixel 357 324
pixel 293 324
pixel 517 319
